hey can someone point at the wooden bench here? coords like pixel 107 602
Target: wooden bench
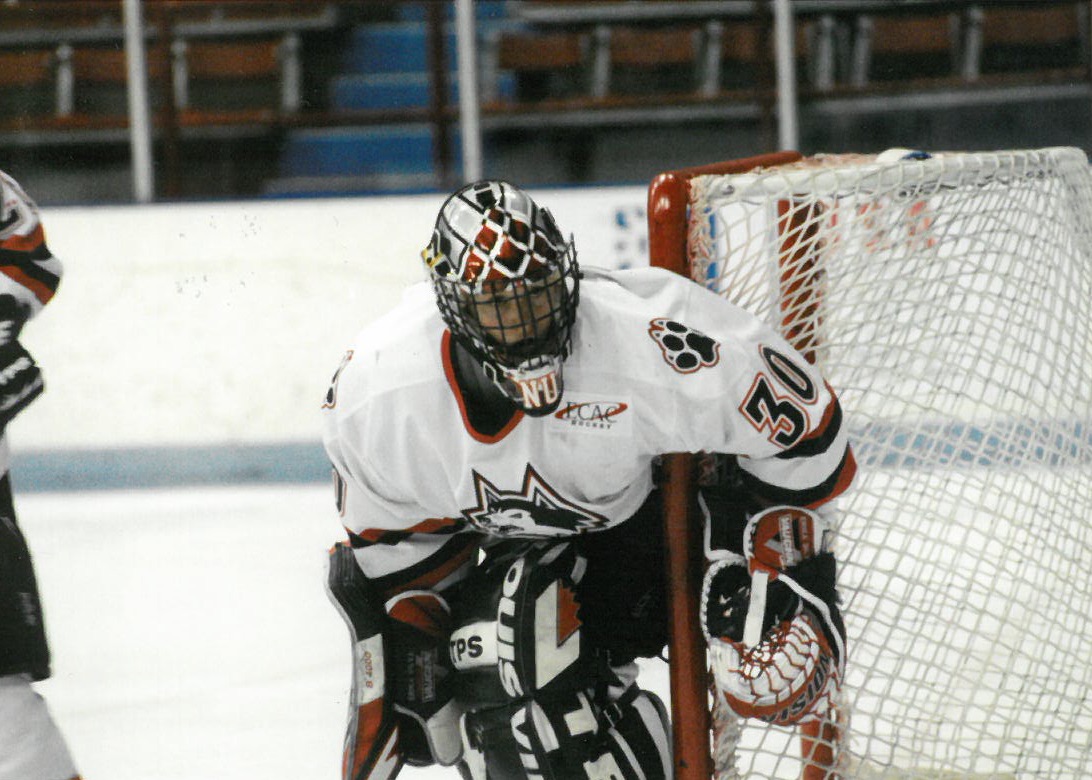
pixel 603 58
pixel 634 60
pixel 965 51
pixel 225 74
pixel 545 64
pixel 215 63
pixel 1048 40
pixel 905 46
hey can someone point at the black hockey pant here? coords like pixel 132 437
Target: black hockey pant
pixel 23 647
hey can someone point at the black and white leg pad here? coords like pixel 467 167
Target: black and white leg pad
pixel 538 702
pixel 402 708
pixel 517 626
pixel 570 738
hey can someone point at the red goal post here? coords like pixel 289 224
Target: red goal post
pixel 668 204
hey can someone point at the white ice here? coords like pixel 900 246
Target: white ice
pixel 191 633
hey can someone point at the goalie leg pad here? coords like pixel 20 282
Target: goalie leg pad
pixel 371 749
pixel 571 738
pixel 539 701
pixel 402 707
pixel 518 625
pixel 421 678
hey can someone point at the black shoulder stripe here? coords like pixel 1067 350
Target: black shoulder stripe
pixel 20 257
pixel 830 487
pixel 370 538
pixel 27 263
pixel 820 441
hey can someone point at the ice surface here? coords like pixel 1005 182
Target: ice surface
pixel 192 638
pixel 191 634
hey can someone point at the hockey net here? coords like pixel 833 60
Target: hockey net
pixel 948 300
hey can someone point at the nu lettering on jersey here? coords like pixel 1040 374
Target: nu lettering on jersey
pixel 538 391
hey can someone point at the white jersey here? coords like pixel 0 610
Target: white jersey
pixel 28 271
pixel 658 365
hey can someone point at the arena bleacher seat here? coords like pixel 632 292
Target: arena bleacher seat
pixel 247 69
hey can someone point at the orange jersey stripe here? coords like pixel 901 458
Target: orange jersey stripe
pixel 42 292
pixel 434 524
pixel 27 243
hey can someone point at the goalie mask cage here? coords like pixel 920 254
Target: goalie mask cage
pixel 948 301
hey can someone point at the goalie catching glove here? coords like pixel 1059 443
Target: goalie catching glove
pixel 771 618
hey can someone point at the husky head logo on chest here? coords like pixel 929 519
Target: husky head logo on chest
pixel 534 510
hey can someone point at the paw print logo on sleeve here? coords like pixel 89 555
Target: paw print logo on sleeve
pixel 685 349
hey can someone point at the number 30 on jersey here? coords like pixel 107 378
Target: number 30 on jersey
pixel 783 416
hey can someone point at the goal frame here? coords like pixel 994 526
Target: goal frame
pixel 668 203
pixel 946 294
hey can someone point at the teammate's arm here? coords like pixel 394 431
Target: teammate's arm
pixel 29 275
pixel 28 270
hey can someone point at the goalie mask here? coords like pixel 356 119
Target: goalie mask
pixel 506 282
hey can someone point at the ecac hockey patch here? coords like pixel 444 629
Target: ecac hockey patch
pixel 685 349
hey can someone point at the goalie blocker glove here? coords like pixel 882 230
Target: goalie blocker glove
pixel 771 618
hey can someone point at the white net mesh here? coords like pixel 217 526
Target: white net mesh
pixel 949 303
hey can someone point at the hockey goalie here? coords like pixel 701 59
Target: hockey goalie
pixel 494 441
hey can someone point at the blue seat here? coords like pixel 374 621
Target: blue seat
pixel 354 91
pixel 484 10
pixel 399 90
pixel 361 151
pixel 384 66
pixel 397 47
